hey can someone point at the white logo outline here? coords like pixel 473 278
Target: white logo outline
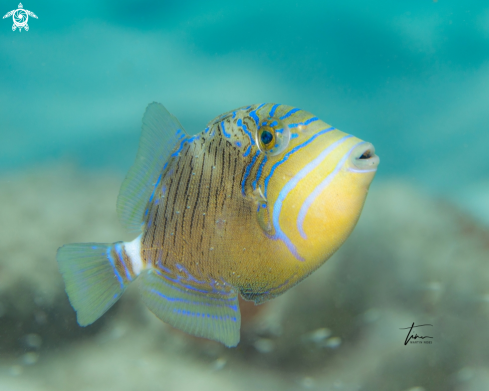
pixel 20 16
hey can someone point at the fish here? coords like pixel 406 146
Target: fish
pixel 250 206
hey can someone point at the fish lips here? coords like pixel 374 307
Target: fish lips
pixel 363 157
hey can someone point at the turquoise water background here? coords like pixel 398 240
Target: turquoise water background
pixel 412 77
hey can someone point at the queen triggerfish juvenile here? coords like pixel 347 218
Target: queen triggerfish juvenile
pixel 253 204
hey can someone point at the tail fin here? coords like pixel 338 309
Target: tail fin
pixel 92 279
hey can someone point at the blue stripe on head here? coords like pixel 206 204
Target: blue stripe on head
pixel 245 129
pixel 247 172
pixel 272 111
pixel 290 185
pixel 247 152
pixel 294 110
pixel 223 127
pixel 258 173
pixel 253 114
pixel 323 185
pixel 292 151
pixel 305 123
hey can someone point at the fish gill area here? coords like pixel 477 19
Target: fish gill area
pixel 412 258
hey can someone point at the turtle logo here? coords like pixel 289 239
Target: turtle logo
pixel 20 17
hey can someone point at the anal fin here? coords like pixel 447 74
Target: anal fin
pixel 203 311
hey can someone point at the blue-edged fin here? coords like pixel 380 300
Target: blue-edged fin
pixel 201 311
pixel 92 281
pixel 160 133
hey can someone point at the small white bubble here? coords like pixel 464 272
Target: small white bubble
pixel 178 212
pixel 193 173
pixel 212 248
pixel 213 167
pixel 188 207
pixel 234 273
pixel 203 214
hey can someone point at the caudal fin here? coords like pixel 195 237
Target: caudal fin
pixel 92 279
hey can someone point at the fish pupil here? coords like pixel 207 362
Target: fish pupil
pixel 266 137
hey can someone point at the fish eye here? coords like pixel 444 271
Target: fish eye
pixel 267 138
pixel 272 136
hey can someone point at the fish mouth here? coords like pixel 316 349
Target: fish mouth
pixel 364 158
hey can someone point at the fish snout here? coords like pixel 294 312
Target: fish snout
pixel 363 157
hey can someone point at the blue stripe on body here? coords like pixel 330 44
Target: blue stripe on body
pixel 171 282
pixel 180 268
pixel 319 188
pixel 191 302
pixel 247 172
pixel 179 148
pixel 159 264
pixel 153 193
pixel 295 149
pixel 118 250
pixel 111 260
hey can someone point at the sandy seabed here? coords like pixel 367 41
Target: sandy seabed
pixel 412 258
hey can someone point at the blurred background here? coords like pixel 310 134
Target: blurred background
pixel 412 77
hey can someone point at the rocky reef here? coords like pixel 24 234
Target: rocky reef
pixel 411 259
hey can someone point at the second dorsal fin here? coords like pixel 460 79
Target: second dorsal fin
pixel 160 133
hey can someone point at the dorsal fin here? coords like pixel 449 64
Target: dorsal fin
pixel 160 133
